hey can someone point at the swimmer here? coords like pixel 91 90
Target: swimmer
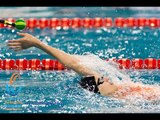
pixel 91 80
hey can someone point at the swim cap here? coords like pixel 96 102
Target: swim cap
pixel 20 24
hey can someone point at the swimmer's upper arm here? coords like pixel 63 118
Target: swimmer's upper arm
pixel 76 58
pixel 81 69
pixel 70 61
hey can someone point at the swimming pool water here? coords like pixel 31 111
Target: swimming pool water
pixel 59 91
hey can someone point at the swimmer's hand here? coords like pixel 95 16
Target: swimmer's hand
pixel 25 42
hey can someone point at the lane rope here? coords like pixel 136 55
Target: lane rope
pixel 51 64
pixel 97 22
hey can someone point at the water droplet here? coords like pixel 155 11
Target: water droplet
pixel 49 39
pixel 85 32
pixel 57 40
pixel 98 31
pixel 8 54
pixel 133 53
pixel 58 28
pixel 126 42
pixel 155 34
pixel 13 30
pixel 136 31
pixel 62 37
pixel 144 34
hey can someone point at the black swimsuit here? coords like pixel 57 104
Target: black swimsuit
pixel 90 84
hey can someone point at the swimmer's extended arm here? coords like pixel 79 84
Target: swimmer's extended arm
pixel 66 59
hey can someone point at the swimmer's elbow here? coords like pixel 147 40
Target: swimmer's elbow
pixel 78 68
pixel 81 69
pixel 73 64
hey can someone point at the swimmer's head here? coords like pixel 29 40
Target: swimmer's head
pixel 106 79
pixel 103 86
pixel 88 82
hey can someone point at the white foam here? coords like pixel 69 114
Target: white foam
pixel 108 69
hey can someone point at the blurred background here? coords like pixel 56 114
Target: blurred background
pixel 79 11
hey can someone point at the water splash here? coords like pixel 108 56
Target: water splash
pixel 109 69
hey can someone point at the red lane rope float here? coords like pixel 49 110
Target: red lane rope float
pixel 96 22
pixel 137 63
pixel 47 64
pixel 130 22
pixel 8 64
pixel 107 22
pixel 65 23
pixel 76 23
pixel 142 22
pixel 21 64
pixel 158 64
pixel 124 63
pixel 154 22
pixel 31 23
pixel 150 63
pixel 34 64
pixel 54 22
pixel 119 22
pixel 43 23
pixel 50 64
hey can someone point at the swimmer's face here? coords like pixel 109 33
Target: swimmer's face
pixel 107 80
pixel 107 88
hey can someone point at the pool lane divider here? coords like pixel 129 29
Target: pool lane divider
pixel 97 22
pixel 51 64
pixel 19 24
